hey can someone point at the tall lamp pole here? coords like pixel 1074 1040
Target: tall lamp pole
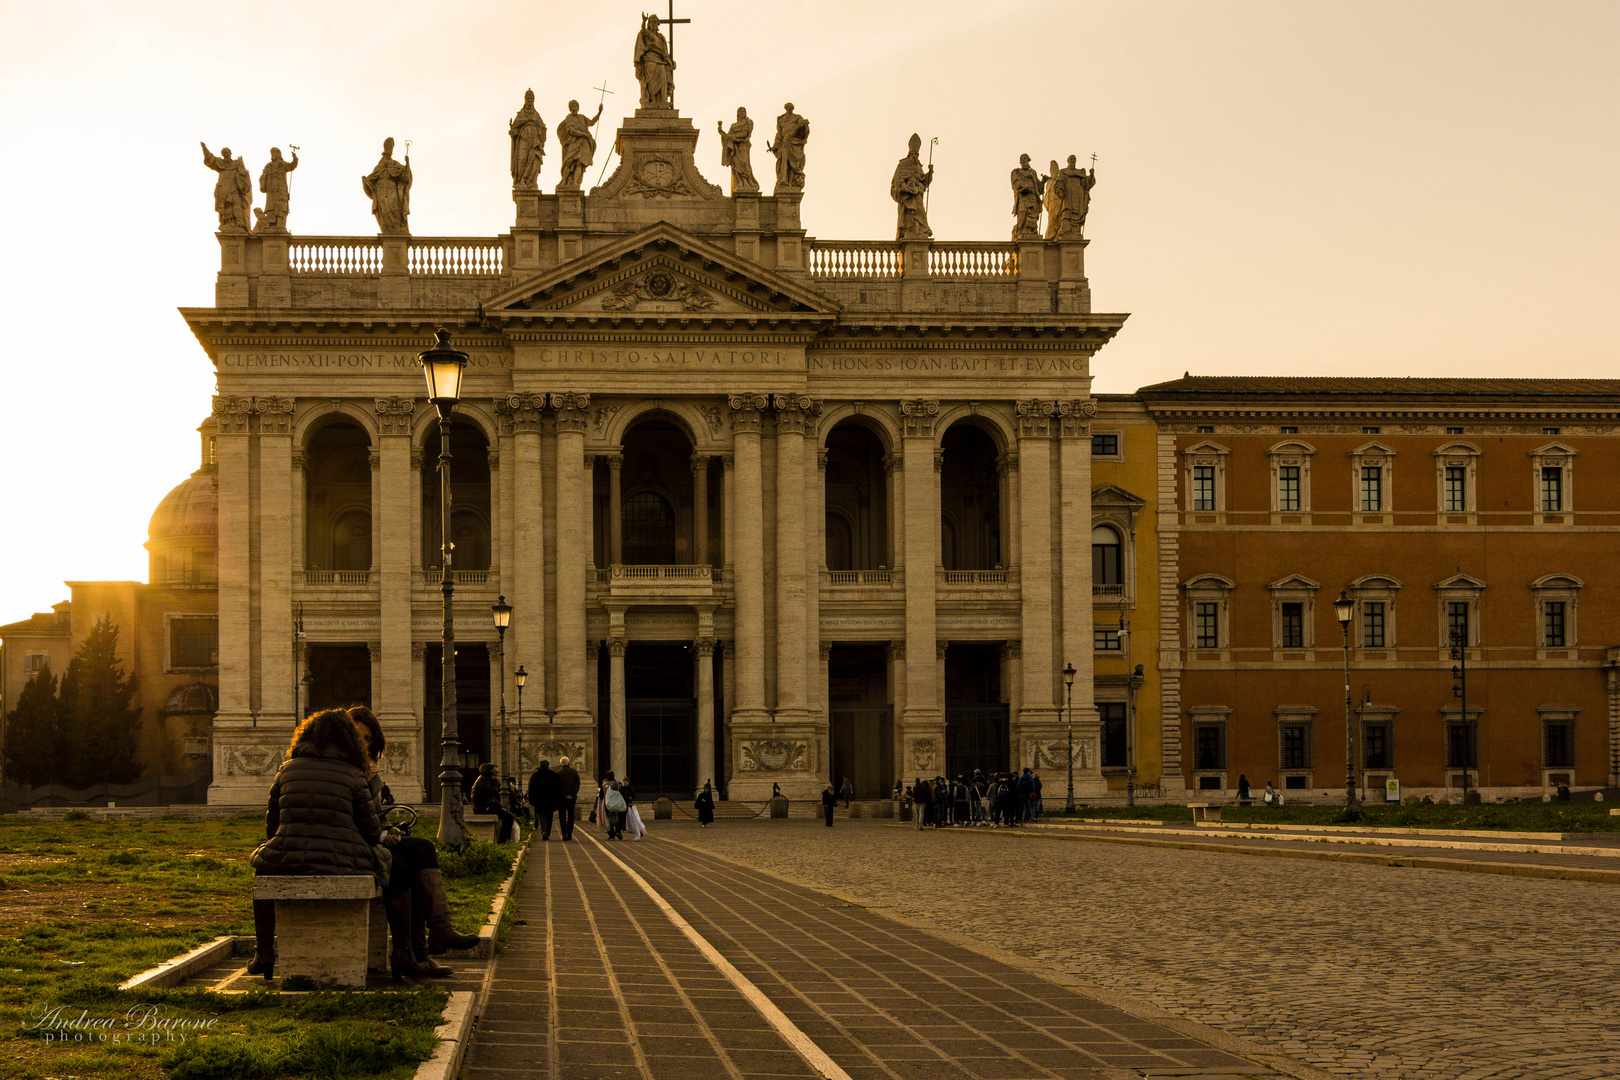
pixel 502 613
pixel 1068 685
pixel 1459 689
pixel 520 677
pixel 1345 609
pixel 443 367
pixel 298 656
pixel 1130 708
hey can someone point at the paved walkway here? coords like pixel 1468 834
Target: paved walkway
pixel 600 982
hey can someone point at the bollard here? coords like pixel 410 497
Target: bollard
pixel 663 810
pixel 779 806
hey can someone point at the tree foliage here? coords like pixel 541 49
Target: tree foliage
pixel 99 723
pixel 33 739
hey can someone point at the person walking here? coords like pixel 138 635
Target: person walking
pixel 613 808
pixel 545 791
pixel 829 803
pixel 705 805
pixel 567 797
pixel 848 791
pixel 632 816
pixel 1243 789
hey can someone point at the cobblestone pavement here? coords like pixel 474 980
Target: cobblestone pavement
pixel 1364 971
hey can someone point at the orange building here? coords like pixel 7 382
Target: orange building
pixel 1481 510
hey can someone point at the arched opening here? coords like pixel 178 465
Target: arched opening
pixel 469 497
pixel 650 498
pixel 970 500
pixel 337 499
pixel 856 500
pixel 1107 553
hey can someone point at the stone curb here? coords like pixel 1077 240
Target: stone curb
pixel 1468 866
pixel 459 1014
pixel 180 967
pixel 1221 1040
pixel 1241 832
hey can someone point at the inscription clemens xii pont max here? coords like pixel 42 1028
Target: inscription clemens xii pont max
pixel 715 359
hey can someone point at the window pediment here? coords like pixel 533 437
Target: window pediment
pixel 1110 495
pixel 1205 449
pixel 1296 582
pixel 1558 581
pixel 1553 449
pixel 1372 449
pixel 1457 450
pixel 1292 448
pixel 1210 581
pixel 1375 581
pixel 1460 582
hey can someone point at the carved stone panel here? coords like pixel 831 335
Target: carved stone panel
pixel 773 755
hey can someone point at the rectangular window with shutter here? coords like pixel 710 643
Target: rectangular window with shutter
pixel 1457 622
pixel 1376 746
pixel 1205 625
pixel 1462 746
pixel 1116 753
pixel 1288 487
pixel 1203 493
pixel 1372 488
pixel 1105 445
pixel 1296 745
pixel 1209 746
pixel 1552 622
pixel 193 643
pixel 1456 489
pixel 1372 624
pixel 1558 744
pixel 1293 626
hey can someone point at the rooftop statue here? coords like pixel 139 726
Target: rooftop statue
pixel 655 66
pixel 578 146
pixel 908 187
pixel 389 187
pixel 233 192
pixel 735 147
pixel 1028 187
pixel 273 182
pixel 1067 200
pixel 792 132
pixel 528 133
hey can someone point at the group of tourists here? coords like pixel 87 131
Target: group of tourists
pixel 326 817
pixel 1004 799
pixel 554 793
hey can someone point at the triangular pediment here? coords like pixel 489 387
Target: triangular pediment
pixel 661 273
pixel 1112 495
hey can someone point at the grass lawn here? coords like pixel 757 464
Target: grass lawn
pixel 1570 817
pixel 86 904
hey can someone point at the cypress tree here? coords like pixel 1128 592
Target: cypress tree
pixel 98 724
pixel 34 741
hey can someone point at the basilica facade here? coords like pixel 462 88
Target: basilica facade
pixel 769 509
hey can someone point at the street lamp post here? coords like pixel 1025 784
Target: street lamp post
pixel 1068 684
pixel 1130 707
pixel 520 677
pixel 298 657
pixel 502 613
pixel 1345 609
pixel 443 367
pixel 1459 689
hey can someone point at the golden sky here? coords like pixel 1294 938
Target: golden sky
pixel 1330 188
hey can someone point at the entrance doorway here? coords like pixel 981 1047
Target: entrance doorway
pixel 660 720
pixel 862 720
pixel 472 714
pixel 340 676
pixel 976 719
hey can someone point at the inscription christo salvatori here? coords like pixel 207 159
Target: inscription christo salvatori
pixel 962 365
pixel 343 360
pixel 654 357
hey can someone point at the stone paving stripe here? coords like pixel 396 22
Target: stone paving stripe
pixel 797 1039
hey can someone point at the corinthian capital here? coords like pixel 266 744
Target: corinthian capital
pixel 794 413
pixel 1035 418
pixel 917 417
pixel 1074 417
pixel 275 414
pixel 231 413
pixel 572 410
pixel 521 411
pixel 745 412
pixel 394 415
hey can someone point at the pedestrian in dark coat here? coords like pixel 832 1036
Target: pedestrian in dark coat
pixel 922 806
pixel 1012 812
pixel 705 805
pixel 959 797
pixel 568 779
pixel 829 803
pixel 847 791
pixel 942 802
pixel 486 799
pixel 545 791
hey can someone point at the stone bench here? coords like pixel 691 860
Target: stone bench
pixel 488 826
pixel 330 928
pixel 1205 813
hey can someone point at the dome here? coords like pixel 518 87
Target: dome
pixel 193 698
pixel 192 509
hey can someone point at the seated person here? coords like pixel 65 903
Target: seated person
pixel 486 799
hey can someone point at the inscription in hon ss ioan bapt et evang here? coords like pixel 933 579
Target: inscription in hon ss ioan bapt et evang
pixel 946 364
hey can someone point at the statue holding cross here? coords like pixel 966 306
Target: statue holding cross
pixel 655 65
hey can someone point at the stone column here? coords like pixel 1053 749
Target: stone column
pixel 815 558
pixel 571 561
pixel 924 718
pixel 232 414
pixel 618 758
pixel 497 514
pixel 615 511
pixel 728 522
pixel 1074 553
pixel 1007 473
pixel 275 557
pixel 893 475
pixel 750 720
pixel 705 713
pixel 793 415
pixel 1038 715
pixel 896 655
pixel 1012 685
pixel 526 638
pixel 727 652
pixel 394 498
pixel 700 510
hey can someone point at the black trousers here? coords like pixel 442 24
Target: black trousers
pixel 544 815
pixel 829 811
pixel 565 817
pixel 412 854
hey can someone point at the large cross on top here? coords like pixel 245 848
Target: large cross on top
pixel 670 22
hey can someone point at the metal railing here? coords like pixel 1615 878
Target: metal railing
pixel 865 259
pixel 977 261
pixel 337 577
pixel 335 255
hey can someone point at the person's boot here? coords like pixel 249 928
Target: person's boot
pixel 428 887
pixel 401 961
pixel 419 947
pixel 264 935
